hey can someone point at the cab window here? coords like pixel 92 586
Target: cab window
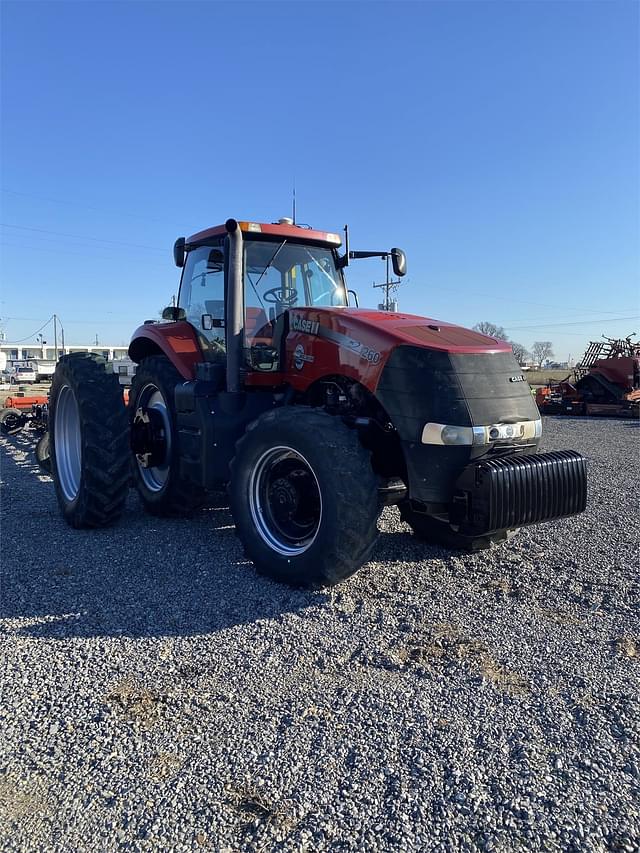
pixel 202 297
pixel 280 276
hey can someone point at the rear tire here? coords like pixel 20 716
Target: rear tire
pixel 88 435
pixel 304 497
pixel 435 532
pixel 160 487
pixel 43 454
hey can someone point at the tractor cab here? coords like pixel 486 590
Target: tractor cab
pixel 284 266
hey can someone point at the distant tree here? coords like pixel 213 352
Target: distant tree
pixel 541 351
pixel 490 329
pixel 521 353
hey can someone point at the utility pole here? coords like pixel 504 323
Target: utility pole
pixel 55 334
pixel 388 286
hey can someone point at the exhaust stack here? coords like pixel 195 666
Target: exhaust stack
pixel 234 312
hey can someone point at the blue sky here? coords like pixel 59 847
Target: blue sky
pixel 497 143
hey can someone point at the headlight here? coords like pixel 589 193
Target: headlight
pixel 444 434
pixel 449 435
pixel 456 435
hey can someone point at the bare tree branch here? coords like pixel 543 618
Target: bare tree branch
pixel 541 351
pixel 490 329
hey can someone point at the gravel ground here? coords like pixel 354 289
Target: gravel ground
pixel 158 695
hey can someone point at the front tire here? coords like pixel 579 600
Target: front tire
pixel 152 416
pixel 304 497
pixel 88 435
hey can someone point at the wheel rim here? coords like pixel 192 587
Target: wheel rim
pixel 68 443
pixel 154 477
pixel 10 423
pixel 285 501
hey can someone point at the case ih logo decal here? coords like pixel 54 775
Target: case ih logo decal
pixel 299 324
pixel 517 378
pixel 313 327
pixel 300 357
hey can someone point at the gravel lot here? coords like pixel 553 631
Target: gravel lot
pixel 158 695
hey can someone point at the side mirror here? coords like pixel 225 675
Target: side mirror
pixel 399 261
pixel 178 252
pixel 355 297
pixel 173 313
pixel 209 322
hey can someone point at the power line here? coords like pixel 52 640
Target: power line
pixel 86 207
pixel 542 321
pixel 124 318
pixel 576 322
pixel 82 237
pixel 492 297
pixel 91 253
pixel 22 340
pixel 102 322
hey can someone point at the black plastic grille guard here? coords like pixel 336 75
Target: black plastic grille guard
pixel 497 494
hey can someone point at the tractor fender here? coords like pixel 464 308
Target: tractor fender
pixel 176 340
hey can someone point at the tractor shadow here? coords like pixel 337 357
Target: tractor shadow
pixel 144 577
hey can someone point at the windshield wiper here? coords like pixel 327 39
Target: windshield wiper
pixel 273 257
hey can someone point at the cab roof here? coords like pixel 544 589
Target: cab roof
pixel 269 229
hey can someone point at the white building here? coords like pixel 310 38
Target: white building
pixel 46 352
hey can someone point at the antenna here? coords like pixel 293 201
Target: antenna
pixel 294 201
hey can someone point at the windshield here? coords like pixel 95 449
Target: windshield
pixel 291 275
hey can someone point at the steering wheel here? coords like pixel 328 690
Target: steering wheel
pixel 279 296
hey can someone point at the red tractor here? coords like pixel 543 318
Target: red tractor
pixel 313 413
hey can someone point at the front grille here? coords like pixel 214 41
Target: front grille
pixel 419 386
pixel 497 494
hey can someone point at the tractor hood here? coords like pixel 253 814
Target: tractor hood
pixel 404 329
pixel 358 343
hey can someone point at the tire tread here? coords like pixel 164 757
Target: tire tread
pixel 356 492
pixel 105 472
pixel 181 498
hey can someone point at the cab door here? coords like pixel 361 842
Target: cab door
pixel 202 297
